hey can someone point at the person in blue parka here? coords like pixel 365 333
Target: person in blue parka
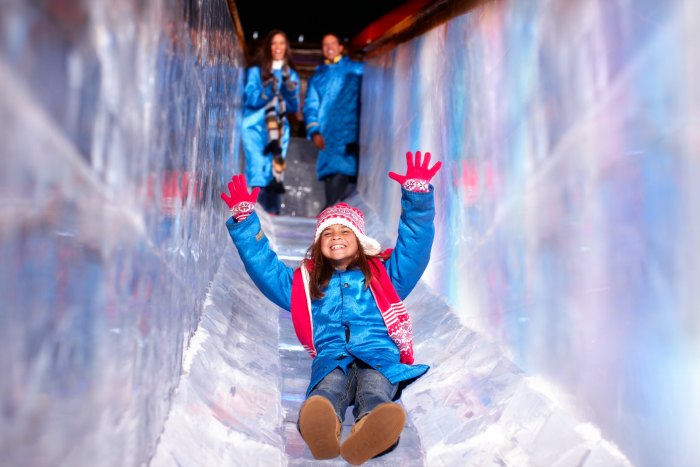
pixel 347 310
pixel 271 90
pixel 331 116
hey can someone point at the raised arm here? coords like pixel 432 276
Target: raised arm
pixel 416 231
pixel 270 275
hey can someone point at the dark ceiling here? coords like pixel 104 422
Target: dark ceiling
pixel 312 19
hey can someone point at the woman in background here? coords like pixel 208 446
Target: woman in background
pixel 271 90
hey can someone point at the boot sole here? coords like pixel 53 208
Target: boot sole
pixel 379 432
pixel 318 425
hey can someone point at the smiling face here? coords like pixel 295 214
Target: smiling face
pixel 339 245
pixel 278 47
pixel 331 47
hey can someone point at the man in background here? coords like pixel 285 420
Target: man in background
pixel 331 114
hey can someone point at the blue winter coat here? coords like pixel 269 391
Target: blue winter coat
pixel 332 107
pixel 348 304
pixel 258 169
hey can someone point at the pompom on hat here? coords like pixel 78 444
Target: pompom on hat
pixel 351 217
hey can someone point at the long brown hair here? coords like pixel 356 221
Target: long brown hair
pixel 320 274
pixel 265 54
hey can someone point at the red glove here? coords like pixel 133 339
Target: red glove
pixel 418 175
pixel 240 202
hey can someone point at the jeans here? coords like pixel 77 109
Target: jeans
pixel 363 386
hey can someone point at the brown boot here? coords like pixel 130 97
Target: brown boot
pixel 374 433
pixel 279 164
pixel 320 427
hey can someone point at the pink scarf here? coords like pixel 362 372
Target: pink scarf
pixel 396 319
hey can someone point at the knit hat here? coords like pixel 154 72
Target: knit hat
pixel 350 217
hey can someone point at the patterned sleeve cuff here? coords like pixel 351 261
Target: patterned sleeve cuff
pixel 242 210
pixel 417 185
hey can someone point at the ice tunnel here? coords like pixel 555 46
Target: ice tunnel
pixel 558 313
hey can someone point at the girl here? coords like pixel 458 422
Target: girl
pixel 345 300
pixel 271 90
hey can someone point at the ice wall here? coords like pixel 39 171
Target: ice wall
pixel 568 204
pixel 118 122
pixel 566 234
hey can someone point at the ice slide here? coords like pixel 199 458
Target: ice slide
pixel 558 314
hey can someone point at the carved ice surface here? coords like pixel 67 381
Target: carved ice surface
pixel 558 313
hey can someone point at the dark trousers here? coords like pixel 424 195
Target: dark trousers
pixel 270 200
pixel 338 187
